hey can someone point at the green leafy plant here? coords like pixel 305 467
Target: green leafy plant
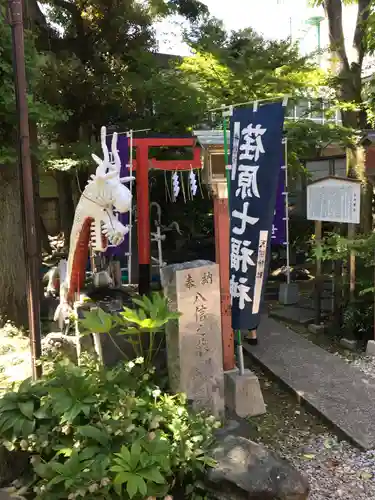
pixel 335 247
pixel 140 325
pixel 358 320
pixel 143 468
pixel 97 434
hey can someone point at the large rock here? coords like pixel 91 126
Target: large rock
pixel 57 343
pixel 246 470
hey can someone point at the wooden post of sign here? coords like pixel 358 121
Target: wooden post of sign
pixel 337 285
pixel 318 272
pixel 337 293
pixel 352 270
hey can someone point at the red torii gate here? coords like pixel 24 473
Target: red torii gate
pixel 141 164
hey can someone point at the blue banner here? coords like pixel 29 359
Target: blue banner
pixel 256 149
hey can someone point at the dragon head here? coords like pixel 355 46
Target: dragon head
pixel 112 189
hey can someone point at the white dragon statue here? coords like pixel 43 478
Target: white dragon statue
pixel 95 222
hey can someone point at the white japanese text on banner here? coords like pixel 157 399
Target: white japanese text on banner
pixel 256 149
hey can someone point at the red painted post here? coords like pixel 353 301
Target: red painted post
pixel 217 230
pixel 222 230
pixel 143 226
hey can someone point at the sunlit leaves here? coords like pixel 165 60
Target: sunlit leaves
pixel 139 325
pixel 97 321
pixel 189 9
pixel 152 314
pixel 241 66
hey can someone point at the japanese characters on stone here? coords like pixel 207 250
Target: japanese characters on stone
pixel 207 278
pixel 200 303
pixel 255 166
pixel 189 282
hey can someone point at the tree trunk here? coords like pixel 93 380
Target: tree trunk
pixel 66 204
pixel 356 169
pixel 13 303
pixel 349 90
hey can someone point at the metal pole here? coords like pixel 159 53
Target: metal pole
pixel 130 136
pixel 241 366
pixel 286 194
pixel 229 107
pixel 26 179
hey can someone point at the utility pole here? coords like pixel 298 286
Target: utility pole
pixel 26 181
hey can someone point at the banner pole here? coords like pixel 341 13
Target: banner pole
pixel 130 156
pixel 287 212
pixel 240 359
pixel 229 107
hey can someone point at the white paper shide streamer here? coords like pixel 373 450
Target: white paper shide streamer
pixel 175 185
pixel 193 183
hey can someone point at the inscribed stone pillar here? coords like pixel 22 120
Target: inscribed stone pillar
pixel 194 344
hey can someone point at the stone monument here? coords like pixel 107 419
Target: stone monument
pixel 194 344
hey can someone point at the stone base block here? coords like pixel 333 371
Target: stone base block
pixel 243 394
pixel 370 348
pixel 288 294
pixel 349 344
pixel 316 328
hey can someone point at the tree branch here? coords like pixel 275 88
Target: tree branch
pixel 333 10
pixel 359 40
pixel 34 14
pixel 84 48
pixel 69 6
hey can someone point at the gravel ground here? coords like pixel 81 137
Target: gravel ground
pixel 335 469
pixel 364 363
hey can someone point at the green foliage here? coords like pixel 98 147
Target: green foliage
pixel 336 247
pixel 358 320
pixel 142 468
pixel 230 68
pixel 307 138
pixel 242 65
pixel 135 324
pixel 39 110
pixel 105 69
pixel 96 433
pixel 189 9
pixel 358 315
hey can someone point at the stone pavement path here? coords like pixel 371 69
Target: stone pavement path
pixel 340 392
pixel 293 314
